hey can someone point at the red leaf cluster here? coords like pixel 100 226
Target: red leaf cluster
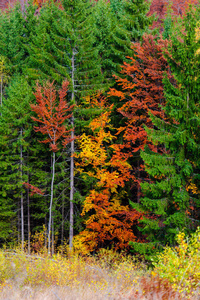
pixel 34 190
pixel 160 8
pixel 52 114
pixel 140 89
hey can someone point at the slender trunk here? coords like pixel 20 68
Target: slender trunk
pixel 138 185
pixel 29 222
pixel 18 221
pixel 45 233
pixel 71 221
pixel 62 227
pixel 52 236
pixel 188 101
pixel 51 203
pixel 71 233
pixel 22 200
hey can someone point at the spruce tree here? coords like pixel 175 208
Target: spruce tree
pixel 16 31
pixel 171 198
pixel 47 51
pixel 119 23
pixel 18 150
pixel 13 145
pixel 135 18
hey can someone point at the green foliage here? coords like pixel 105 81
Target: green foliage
pixel 171 199
pixel 48 58
pixel 135 18
pixel 15 115
pixel 118 23
pixel 16 30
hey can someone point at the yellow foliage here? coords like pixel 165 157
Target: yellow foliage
pixel 192 187
pixel 109 220
pixel 180 265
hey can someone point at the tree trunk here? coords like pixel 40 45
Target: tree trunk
pixel 71 221
pixel 22 200
pixel 63 216
pixel 51 203
pixel 18 221
pixel 138 185
pixel 52 236
pixel 29 222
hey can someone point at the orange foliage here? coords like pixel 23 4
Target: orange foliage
pixel 52 114
pixel 141 91
pixel 109 222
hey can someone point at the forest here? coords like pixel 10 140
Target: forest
pixel 100 146
pixel 99 124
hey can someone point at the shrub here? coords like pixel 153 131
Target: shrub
pixel 180 265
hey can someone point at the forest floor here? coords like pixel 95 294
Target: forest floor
pixel 107 276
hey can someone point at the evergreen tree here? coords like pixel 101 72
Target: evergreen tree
pixel 112 40
pixel 16 30
pixel 63 34
pixel 135 18
pixel 48 57
pixel 118 22
pixel 18 163
pixel 14 132
pixel 171 199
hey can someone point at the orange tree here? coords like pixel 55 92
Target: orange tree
pixel 108 222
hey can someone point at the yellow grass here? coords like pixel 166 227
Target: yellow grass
pixel 105 276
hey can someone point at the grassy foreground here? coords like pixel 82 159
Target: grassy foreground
pixel 108 275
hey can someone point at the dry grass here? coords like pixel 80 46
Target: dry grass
pixel 107 276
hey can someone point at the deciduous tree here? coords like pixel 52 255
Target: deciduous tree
pixel 108 221
pixel 52 115
pixel 140 90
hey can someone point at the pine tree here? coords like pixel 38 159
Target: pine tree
pixel 16 30
pixel 48 57
pixel 15 134
pixel 136 19
pixel 172 196
pixel 112 40
pixel 118 22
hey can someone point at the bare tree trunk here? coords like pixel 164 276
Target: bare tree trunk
pixel 29 222
pixel 138 185
pixel 18 221
pixel 52 238
pixel 22 200
pixel 51 203
pixel 45 239
pixel 63 215
pixel 71 221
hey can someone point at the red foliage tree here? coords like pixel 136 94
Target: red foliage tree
pixel 141 91
pixel 52 114
pixel 160 7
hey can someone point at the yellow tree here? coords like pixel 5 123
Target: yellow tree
pixel 108 222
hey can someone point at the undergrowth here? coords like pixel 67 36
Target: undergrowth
pixel 107 275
